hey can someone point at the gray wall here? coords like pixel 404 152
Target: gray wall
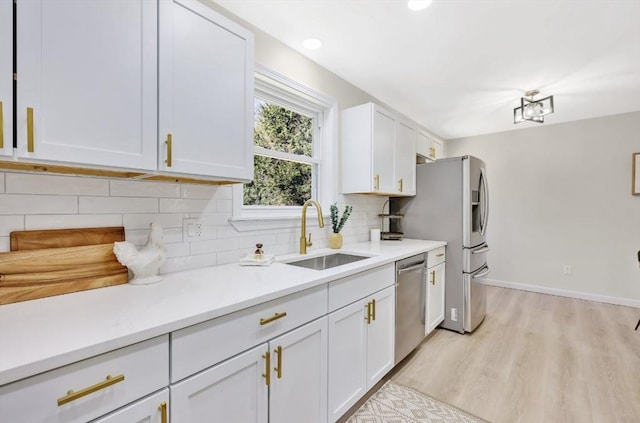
pixel 561 194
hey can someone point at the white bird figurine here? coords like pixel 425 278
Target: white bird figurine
pixel 144 263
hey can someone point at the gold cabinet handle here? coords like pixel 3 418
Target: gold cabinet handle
pixel 373 307
pixel 164 418
pixel 30 135
pixel 432 152
pixel 1 127
pixel 368 318
pixel 169 143
pixel 72 396
pixel 267 367
pixel 376 182
pixel 272 318
pixel 433 277
pixel 440 255
pixel 401 184
pixel 278 367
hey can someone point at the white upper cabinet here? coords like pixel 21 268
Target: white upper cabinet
pixel 406 158
pixel 6 78
pixel 428 147
pixel 87 82
pixel 206 93
pixel 376 151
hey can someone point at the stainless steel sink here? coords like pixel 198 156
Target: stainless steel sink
pixel 327 262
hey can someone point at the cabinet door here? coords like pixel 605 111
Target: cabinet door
pixel 206 92
pixel 435 297
pixel 384 129
pixel 153 409
pixel 298 391
pixel 6 78
pixel 381 335
pixel 405 166
pixel 233 391
pixel 347 358
pixel 87 82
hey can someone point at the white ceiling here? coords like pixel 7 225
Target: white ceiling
pixel 460 66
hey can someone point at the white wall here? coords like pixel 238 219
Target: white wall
pixel 561 194
pixel 38 201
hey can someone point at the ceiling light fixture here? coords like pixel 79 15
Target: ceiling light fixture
pixel 312 43
pixel 418 4
pixel 533 110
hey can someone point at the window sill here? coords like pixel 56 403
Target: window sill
pixel 260 223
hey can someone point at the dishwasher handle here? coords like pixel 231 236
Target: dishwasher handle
pixel 411 268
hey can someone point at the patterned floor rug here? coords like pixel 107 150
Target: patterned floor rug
pixel 395 403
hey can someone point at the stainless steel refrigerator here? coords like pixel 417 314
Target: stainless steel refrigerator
pixel 452 204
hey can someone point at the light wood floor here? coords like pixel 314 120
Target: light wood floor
pixel 536 358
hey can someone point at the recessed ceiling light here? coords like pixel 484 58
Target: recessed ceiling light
pixel 312 43
pixel 418 4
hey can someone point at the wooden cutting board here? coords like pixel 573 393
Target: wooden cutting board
pixel 60 261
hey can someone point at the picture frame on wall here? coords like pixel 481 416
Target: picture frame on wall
pixel 635 175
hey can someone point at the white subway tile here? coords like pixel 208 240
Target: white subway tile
pixel 143 220
pixel 232 256
pixel 118 205
pixel 35 183
pixel 1 182
pixel 204 192
pixel 37 204
pixel 191 262
pixel 11 223
pixel 141 236
pixel 65 221
pixel 143 189
pixel 186 205
pixel 5 244
pixel 224 206
pixel 177 249
pixel 214 219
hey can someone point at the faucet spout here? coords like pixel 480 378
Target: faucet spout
pixel 304 242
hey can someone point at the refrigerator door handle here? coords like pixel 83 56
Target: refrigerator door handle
pixel 482 273
pixel 485 203
pixel 481 250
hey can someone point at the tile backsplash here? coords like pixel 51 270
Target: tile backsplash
pixel 30 201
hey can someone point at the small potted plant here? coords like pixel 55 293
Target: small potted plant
pixel 335 240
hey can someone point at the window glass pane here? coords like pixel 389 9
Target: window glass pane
pixel 278 182
pixel 281 129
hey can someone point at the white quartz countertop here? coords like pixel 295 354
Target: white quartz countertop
pixel 40 335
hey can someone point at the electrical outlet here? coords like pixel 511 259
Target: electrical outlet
pixel 566 269
pixel 454 314
pixel 192 229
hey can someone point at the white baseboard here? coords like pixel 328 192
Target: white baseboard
pixel 563 293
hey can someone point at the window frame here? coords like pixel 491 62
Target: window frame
pixel 280 89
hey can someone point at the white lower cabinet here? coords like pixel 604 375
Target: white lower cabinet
pixel 90 388
pixel 435 289
pixel 361 348
pixel 283 380
pixel 153 409
pixel 232 391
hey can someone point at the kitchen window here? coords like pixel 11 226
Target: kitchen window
pixel 294 154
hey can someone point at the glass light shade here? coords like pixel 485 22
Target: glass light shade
pixel 418 4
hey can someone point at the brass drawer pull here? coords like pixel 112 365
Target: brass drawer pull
pixel 373 306
pixel 278 367
pixel 72 396
pixel 433 277
pixel 272 318
pixel 267 367
pixel 368 318
pixel 164 418
pixel 30 135
pixel 401 181
pixel 440 255
pixel 376 182
pixel 169 143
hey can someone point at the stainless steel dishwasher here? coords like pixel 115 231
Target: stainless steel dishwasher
pixel 410 304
